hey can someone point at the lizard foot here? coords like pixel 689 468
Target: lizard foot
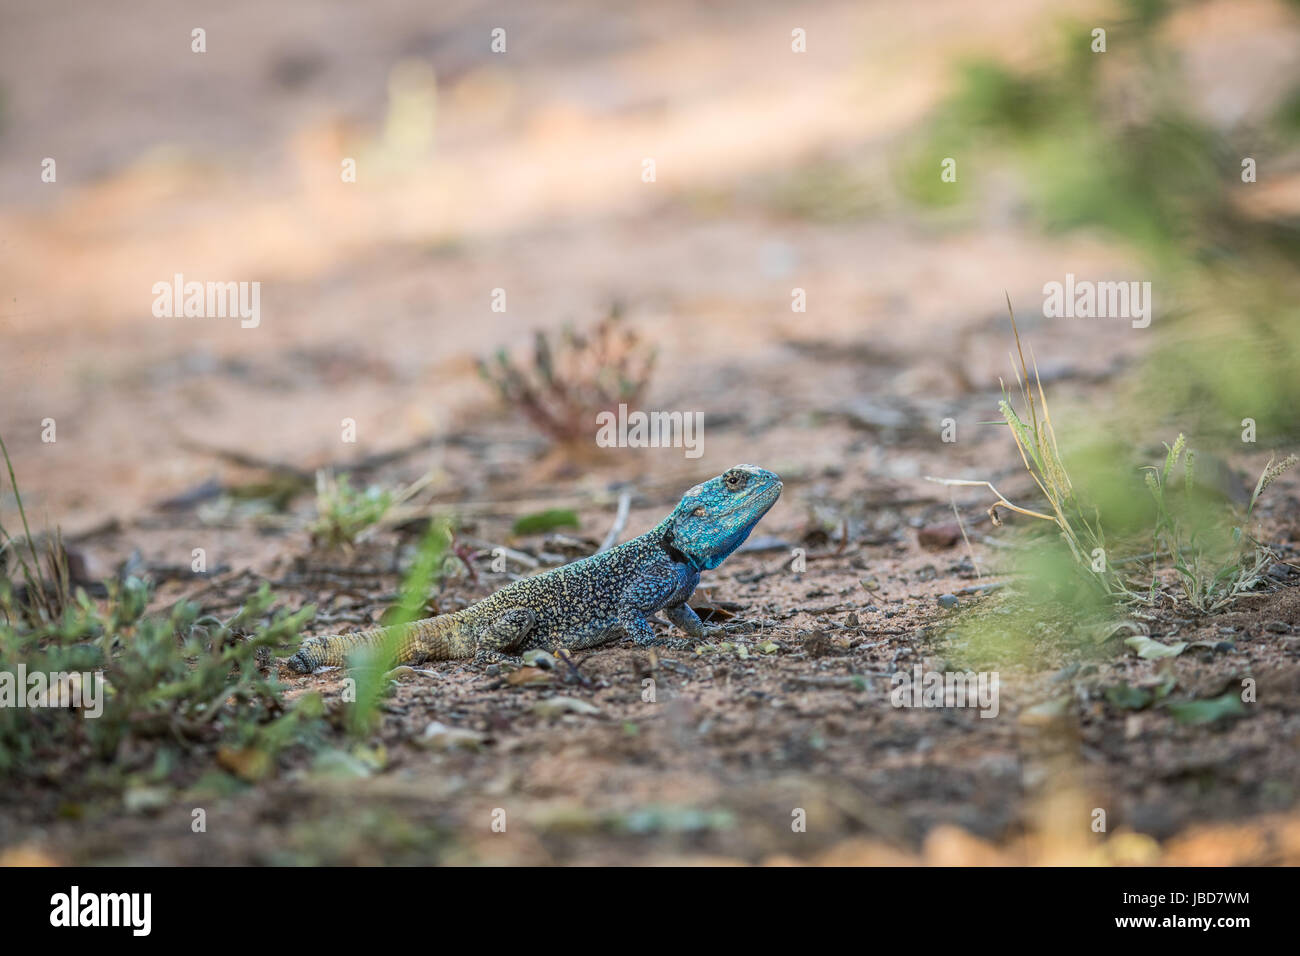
pixel 675 643
pixel 483 658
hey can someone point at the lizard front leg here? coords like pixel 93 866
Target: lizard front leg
pixel 654 587
pixel 636 624
pixel 684 616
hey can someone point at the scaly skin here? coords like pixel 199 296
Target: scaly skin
pixel 591 601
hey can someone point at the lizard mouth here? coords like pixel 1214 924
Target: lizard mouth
pixel 754 505
pixel 706 540
pixel 760 501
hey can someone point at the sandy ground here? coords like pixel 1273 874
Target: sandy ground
pixel 376 298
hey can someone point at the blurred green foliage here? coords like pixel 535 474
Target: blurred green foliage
pixel 540 522
pixel 370 668
pixel 344 512
pixel 174 684
pixel 1111 143
pixel 171 683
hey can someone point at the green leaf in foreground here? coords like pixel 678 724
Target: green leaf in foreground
pixel 1124 697
pixel 547 520
pixel 1150 650
pixel 1209 710
pixel 370 667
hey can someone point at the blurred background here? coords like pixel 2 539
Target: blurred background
pixel 523 171
pixel 795 149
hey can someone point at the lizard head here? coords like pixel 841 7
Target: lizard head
pixel 713 519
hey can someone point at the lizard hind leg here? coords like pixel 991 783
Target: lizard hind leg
pixel 505 635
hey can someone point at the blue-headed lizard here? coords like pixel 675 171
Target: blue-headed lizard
pixel 591 601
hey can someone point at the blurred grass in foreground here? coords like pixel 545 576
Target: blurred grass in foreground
pixel 174 684
pixel 1073 584
pixel 1109 142
pixel 370 667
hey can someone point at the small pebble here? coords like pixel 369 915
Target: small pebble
pixel 539 658
pixel 438 736
pixel 554 706
pixel 936 537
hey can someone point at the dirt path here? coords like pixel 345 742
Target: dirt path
pixel 376 301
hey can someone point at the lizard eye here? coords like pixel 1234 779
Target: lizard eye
pixel 734 480
pixel 700 512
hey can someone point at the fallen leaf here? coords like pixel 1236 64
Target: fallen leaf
pixel 1208 710
pixel 1045 714
pixel 1128 698
pixel 547 520
pixel 1151 650
pixel 528 675
pixel 553 706
pixel 539 658
pixel 246 763
pixel 438 736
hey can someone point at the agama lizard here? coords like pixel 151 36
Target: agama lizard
pixel 590 601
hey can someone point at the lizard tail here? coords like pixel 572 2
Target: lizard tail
pixel 433 638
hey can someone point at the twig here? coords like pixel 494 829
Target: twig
pixel 247 460
pixel 981 588
pixel 620 521
pixel 993 508
pixel 563 655
pixel 961 525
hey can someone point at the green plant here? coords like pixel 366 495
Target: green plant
pixel 44 600
pixel 1216 559
pixel 179 678
pixel 371 668
pixel 1079 526
pixel 1114 143
pixel 124 694
pixel 1214 555
pixel 344 513
pixel 575 379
